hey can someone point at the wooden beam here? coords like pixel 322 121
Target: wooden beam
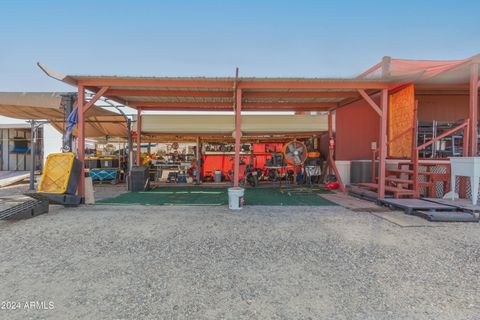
pixel 370 102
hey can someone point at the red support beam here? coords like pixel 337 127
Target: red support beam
pixel 288 105
pixel 474 83
pixel 189 105
pixel 244 108
pixel 382 146
pixel 156 83
pixel 180 104
pixel 370 70
pixel 81 140
pixel 298 94
pixel 309 84
pixel 238 133
pixel 228 94
pixel 370 102
pixel 331 151
pixel 415 156
pixel 177 108
pixel 94 99
pixel 170 93
pixel 436 86
pixel 139 136
pixel 289 84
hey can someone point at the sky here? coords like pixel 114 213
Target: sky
pixel 212 38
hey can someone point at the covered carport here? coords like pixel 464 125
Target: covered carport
pixel 234 94
pixel 39 108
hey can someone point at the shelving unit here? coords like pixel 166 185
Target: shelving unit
pixel 108 168
pixel 451 146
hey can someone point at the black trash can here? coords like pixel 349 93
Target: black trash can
pixel 139 179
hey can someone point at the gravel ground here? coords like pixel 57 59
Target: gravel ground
pixel 148 262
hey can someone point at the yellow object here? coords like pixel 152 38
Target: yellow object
pixel 314 154
pixel 401 116
pixel 56 174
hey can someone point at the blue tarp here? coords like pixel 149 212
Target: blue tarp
pixel 72 121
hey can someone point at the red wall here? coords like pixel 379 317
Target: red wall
pixel 357 126
pixel 442 107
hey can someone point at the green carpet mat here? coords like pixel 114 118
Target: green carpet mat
pixel 218 196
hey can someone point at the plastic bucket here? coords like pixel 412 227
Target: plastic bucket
pixel 235 198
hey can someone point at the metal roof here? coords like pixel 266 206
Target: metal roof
pixel 297 94
pixel 218 93
pixel 50 106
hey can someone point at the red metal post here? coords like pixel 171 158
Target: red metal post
pixel 331 151
pixel 474 109
pixel 374 159
pixel 382 146
pixel 415 156
pixel 466 139
pixel 139 136
pixel 81 140
pixel 238 133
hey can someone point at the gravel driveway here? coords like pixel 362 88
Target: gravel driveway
pixel 148 262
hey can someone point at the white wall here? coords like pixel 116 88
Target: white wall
pixel 52 138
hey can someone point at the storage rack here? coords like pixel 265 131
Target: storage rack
pixel 451 146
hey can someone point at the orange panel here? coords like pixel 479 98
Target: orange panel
pixel 400 118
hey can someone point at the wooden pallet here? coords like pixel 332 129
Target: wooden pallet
pixel 411 205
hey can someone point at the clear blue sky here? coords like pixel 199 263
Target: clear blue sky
pixel 211 38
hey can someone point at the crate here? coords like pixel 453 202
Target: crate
pixel 139 179
pixel 108 163
pixel 110 175
pixel 92 163
pixel 61 174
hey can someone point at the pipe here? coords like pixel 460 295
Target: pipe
pixel 32 155
pixel 129 138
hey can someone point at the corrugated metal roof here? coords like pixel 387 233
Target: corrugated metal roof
pixel 259 79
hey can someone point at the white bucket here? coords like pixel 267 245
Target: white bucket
pixel 235 198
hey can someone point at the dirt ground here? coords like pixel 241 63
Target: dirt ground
pixel 167 262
